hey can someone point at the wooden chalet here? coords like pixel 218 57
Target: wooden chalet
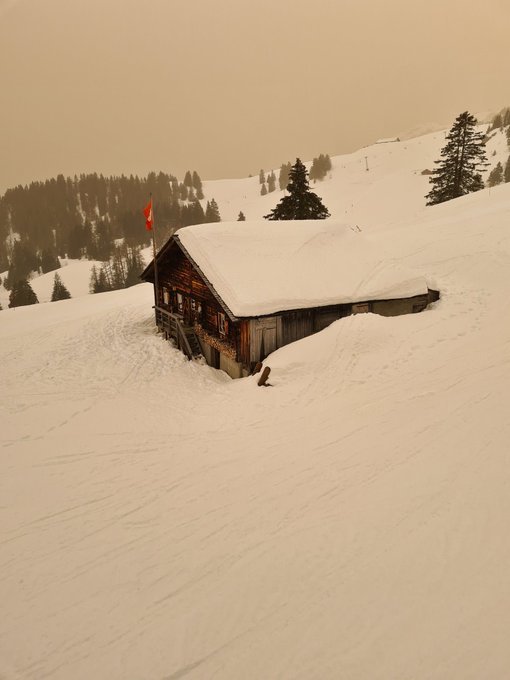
pixel 235 292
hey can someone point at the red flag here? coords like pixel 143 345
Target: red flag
pixel 149 217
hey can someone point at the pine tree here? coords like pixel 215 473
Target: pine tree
pixel 495 176
pixel 320 167
pixel 187 179
pixel 196 213
pixel 60 292
pixel 22 294
pixel 262 177
pixel 134 267
pixel 271 182
pixel 497 122
pixel 241 217
pixel 49 261
pixel 506 176
pixel 183 192
pixel 458 172
pixel 98 282
pixel 263 190
pixel 212 213
pixel 300 203
pixel 197 183
pixel 506 117
pixel 508 136
pixel 283 178
pixel 23 262
pixel 103 241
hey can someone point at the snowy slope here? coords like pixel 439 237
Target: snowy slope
pixel 392 187
pixel 75 275
pixel 159 520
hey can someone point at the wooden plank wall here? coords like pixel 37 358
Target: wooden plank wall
pixel 177 272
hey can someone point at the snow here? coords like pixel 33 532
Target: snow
pixel 74 274
pixel 159 520
pixel 391 189
pixel 262 267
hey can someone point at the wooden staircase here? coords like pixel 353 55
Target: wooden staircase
pixel 194 344
pixel 184 336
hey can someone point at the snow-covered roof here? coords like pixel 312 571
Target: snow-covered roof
pixel 263 267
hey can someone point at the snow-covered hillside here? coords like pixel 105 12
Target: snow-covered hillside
pixel 159 520
pixel 393 186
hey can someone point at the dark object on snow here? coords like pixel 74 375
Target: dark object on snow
pixel 263 378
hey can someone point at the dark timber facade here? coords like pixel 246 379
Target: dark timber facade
pixel 190 311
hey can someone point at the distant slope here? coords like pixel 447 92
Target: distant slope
pixel 393 186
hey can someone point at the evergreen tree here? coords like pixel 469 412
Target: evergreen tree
pixel 495 176
pixel 188 182
pixel 263 190
pixel 23 262
pixel 197 183
pixel 75 242
pixel 506 117
pixel 134 267
pixel 508 136
pixel 103 242
pixel 507 171
pixel 271 182
pixel 98 282
pixel 300 203
pixel 283 178
pixel 60 292
pixel 22 294
pixel 458 171
pixel 497 122
pixel 183 192
pixel 320 167
pixel 4 262
pixel 49 261
pixel 262 177
pixel 212 213
pixel 241 217
pixel 194 214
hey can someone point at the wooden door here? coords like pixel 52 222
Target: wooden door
pixel 263 338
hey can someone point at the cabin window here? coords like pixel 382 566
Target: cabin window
pixel 180 302
pixel 166 296
pixel 196 308
pixel 222 324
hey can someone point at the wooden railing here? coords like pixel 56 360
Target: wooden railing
pixel 173 325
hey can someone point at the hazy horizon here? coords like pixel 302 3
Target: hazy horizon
pixel 227 88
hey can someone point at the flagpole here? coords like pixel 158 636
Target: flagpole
pixel 156 282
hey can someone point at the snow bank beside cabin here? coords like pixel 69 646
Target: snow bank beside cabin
pixel 264 267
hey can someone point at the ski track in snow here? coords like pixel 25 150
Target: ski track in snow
pixel 159 520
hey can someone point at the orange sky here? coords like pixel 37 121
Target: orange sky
pixel 227 87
